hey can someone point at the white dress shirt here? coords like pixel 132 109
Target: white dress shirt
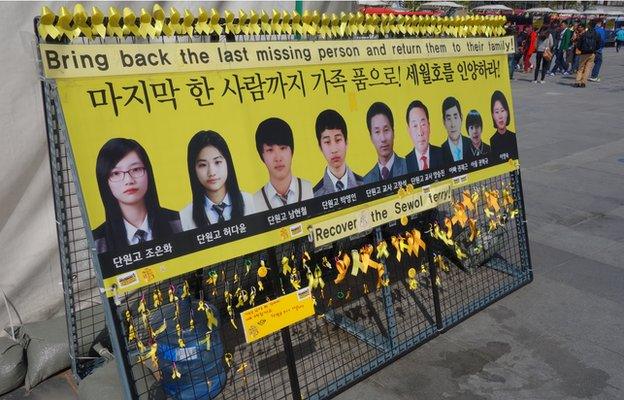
pixel 388 165
pixel 131 230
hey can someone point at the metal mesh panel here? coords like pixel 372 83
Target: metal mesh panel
pixel 362 322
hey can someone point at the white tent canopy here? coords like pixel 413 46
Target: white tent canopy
pixel 493 7
pixel 539 10
pixel 569 11
pixel 440 4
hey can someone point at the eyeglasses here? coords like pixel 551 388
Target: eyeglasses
pixel 118 176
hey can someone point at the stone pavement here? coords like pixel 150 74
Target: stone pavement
pixel 562 336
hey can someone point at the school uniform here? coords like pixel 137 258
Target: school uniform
pixel 330 184
pixel 143 233
pixel 396 166
pixel 267 197
pixel 215 212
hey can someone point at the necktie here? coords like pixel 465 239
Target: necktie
pixel 424 162
pixel 457 154
pixel 218 208
pixel 140 235
pixel 384 173
pixel 339 186
pixel 283 199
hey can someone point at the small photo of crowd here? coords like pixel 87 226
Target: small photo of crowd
pixel 132 209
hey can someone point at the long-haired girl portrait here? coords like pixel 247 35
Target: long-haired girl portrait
pixel 216 194
pixel 128 190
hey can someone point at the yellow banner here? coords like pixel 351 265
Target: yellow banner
pixel 183 170
pixel 72 61
pixel 270 317
pixel 357 222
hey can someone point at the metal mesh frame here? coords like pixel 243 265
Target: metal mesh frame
pixel 315 358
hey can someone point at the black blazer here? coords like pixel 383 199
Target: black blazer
pixel 448 156
pixel 435 162
pixel 104 243
pixel 505 143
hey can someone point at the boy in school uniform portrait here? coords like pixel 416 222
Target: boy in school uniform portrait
pixel 276 147
pixel 457 146
pixel 331 134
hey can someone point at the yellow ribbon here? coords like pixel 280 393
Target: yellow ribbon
pixel 211 320
pixel 296 23
pixel 175 373
pixel 276 27
pixel 382 250
pixel 64 24
pixel 439 259
pixel 202 26
pixel 131 332
pixel 342 265
pixel 474 231
pixel 129 20
pixel 157 298
pixel 114 23
pixel 286 268
pixel 243 22
pixel 411 274
pixel 460 217
pixel 187 23
pixel 295 279
pixel 416 243
pixel 160 330
pixel 185 290
pixel 174 21
pixel 206 340
pixel 252 296
pixel 265 25
pixel 215 26
pixel 46 26
pixel 80 21
pixel 508 199
pixel 396 242
pixel 286 19
pixel 159 22
pixel 357 265
pixel 318 276
pixel 145 24
pixel 366 252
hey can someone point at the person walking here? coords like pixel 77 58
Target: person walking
pixel 555 31
pixel 529 48
pixel 519 37
pixel 561 52
pixel 586 47
pixel 544 52
pixel 619 39
pixel 578 31
pixel 598 61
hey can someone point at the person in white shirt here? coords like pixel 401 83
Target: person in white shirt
pixel 276 147
pixel 128 191
pixel 331 135
pixel 216 195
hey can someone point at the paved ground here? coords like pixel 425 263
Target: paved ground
pixel 561 336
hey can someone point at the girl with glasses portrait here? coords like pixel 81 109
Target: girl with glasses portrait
pixel 128 190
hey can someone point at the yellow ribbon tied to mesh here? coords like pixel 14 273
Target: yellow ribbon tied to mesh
pixel 46 26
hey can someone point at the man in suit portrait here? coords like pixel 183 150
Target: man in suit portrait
pixel 331 134
pixel 457 146
pixel 424 155
pixel 381 129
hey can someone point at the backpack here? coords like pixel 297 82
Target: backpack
pixel 588 42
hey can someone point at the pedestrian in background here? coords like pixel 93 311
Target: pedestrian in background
pixel 555 31
pixel 529 48
pixel 586 47
pixel 544 52
pixel 619 39
pixel 602 34
pixel 578 31
pixel 561 50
